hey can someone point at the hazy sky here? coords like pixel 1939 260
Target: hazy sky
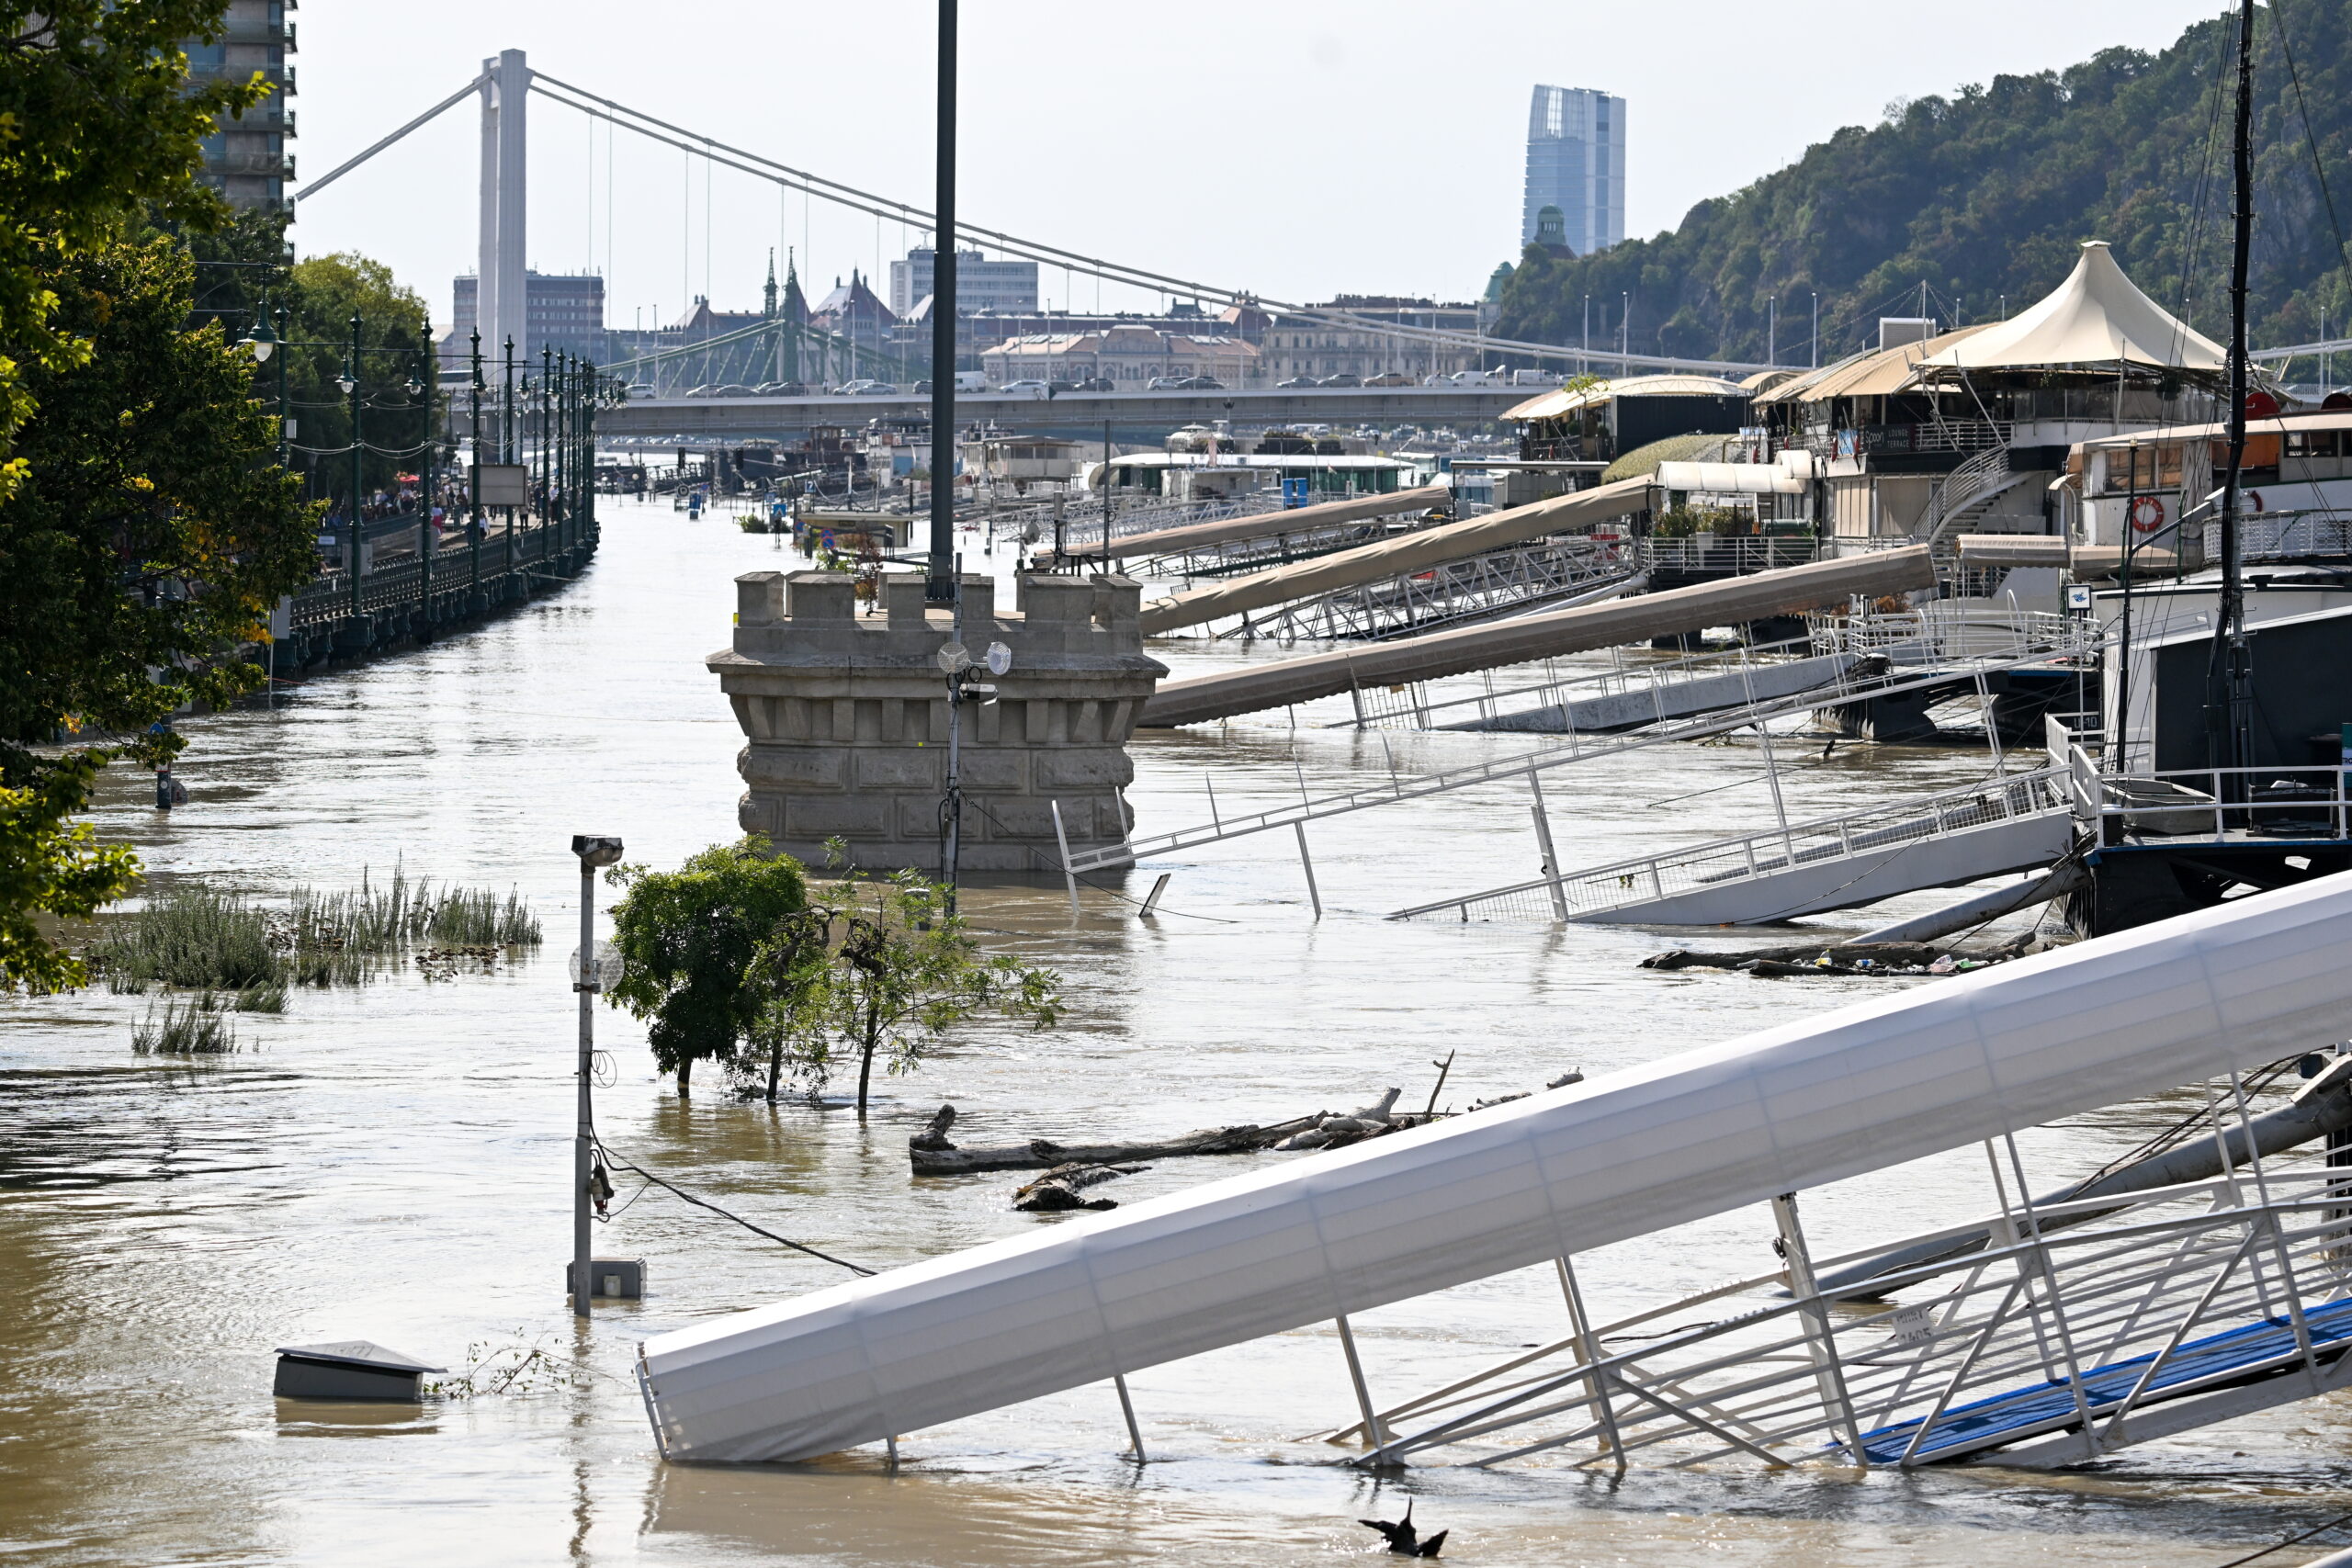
pixel 1295 147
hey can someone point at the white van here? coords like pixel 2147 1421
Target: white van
pixel 971 381
pixel 1476 378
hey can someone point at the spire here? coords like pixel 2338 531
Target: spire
pixel 769 308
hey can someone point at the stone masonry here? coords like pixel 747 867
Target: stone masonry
pixel 846 715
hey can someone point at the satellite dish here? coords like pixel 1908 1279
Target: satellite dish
pixel 1000 659
pixel 954 656
pixel 607 964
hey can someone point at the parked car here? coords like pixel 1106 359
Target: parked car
pixel 1388 379
pixel 1026 389
pixel 1299 381
pixel 1341 380
pixel 1164 383
pixel 1202 384
pixel 878 389
pixel 1095 384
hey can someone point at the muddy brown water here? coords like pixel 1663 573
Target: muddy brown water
pixel 392 1163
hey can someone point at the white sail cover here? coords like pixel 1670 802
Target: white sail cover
pixel 1932 1068
pixel 2097 317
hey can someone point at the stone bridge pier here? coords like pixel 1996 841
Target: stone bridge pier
pixel 845 716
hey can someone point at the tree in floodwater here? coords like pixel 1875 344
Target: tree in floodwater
pixel 690 942
pixel 891 971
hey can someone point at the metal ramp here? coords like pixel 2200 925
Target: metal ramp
pixel 2067 1339
pixel 1454 594
pixel 1857 682
pixel 2146 1315
pixel 2018 823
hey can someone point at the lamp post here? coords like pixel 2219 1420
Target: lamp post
pixel 473 483
pixel 349 382
pixel 588 979
pixel 507 437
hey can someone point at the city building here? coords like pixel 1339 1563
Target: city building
pixel 1128 356
pixel 246 159
pixel 1314 346
pixel 1575 161
pixel 978 331
pixel 565 312
pixel 981 284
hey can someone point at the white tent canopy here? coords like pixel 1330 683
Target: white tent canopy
pixel 2097 317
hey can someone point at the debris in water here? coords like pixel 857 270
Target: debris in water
pixel 1403 1540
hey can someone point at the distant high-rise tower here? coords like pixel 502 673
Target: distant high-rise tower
pixel 1575 161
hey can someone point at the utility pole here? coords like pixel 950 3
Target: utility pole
pixel 509 441
pixel 940 579
pixel 1816 330
pixel 1584 343
pixel 587 980
pixel 1773 330
pixel 2231 658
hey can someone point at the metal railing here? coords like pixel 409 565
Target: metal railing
pixel 1735 557
pixel 1875 832
pixel 2286 535
pixel 2214 805
pixel 453 569
pixel 1862 681
pixel 2071 1328
pixel 1906 637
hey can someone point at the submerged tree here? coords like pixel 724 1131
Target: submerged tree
pixel 690 944
pixel 891 970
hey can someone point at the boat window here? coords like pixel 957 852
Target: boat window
pixel 2312 444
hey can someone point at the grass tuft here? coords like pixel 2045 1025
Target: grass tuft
pixel 196 1030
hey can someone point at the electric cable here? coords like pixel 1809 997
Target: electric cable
pixel 613 1157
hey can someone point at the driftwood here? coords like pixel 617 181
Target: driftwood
pixel 1897 959
pixel 1058 1190
pixel 1042 1154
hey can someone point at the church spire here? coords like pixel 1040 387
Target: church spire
pixel 768 310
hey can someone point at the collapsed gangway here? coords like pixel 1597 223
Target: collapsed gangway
pixel 2021 822
pixel 1857 684
pixel 1788 591
pixel 2071 1343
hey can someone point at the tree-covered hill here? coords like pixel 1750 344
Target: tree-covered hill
pixel 1988 193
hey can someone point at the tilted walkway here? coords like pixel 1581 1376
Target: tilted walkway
pixel 1855 684
pixel 1456 593
pixel 1806 868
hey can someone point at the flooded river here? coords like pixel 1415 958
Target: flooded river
pixel 393 1163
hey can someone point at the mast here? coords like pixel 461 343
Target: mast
pixel 2230 710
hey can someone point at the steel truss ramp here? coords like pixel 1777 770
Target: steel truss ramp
pixel 2159 1285
pixel 2086 1330
pixel 2016 823
pixel 1455 593
pixel 1857 682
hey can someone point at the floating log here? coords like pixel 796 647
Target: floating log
pixel 1044 1154
pixel 1058 1190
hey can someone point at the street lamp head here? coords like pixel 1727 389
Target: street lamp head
pixel 413 387
pixel 262 341
pixel 346 384
pixel 595 850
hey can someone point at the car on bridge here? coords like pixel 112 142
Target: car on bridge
pixel 781 390
pixel 1095 384
pixel 1341 380
pixel 1299 381
pixel 1388 379
pixel 1183 384
pixel 1026 389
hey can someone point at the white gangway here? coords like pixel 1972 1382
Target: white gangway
pixel 1534 1181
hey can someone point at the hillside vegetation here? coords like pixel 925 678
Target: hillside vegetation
pixel 1989 192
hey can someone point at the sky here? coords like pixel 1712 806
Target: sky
pixel 1296 149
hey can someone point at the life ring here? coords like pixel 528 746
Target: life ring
pixel 2147 514
pixel 2253 500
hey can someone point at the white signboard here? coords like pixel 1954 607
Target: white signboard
pixel 501 484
